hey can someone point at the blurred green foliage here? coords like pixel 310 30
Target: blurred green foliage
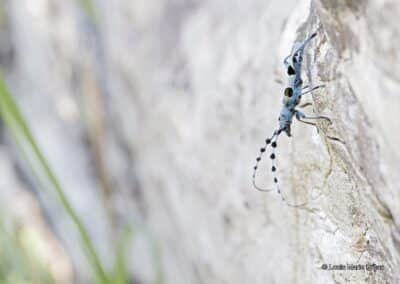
pixel 89 8
pixel 18 126
pixel 19 263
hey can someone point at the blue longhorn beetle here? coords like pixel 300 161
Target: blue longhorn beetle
pixel 292 97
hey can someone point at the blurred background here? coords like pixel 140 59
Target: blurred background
pixel 129 130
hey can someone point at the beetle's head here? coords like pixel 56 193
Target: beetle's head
pixel 285 120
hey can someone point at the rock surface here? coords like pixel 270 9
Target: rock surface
pixel 154 115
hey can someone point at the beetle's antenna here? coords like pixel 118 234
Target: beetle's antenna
pixel 258 159
pixel 273 142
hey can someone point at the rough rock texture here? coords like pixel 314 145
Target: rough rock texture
pixel 154 116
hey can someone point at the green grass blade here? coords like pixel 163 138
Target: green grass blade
pixel 14 120
pixel 158 263
pixel 89 8
pixel 120 274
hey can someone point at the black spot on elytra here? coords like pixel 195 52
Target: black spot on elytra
pixel 262 150
pixel 258 159
pixel 272 156
pixel 273 168
pixel 289 92
pixel 273 144
pixel 290 71
pixel 275 180
pixel 267 141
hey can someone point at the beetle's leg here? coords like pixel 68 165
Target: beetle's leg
pixel 285 61
pixel 300 116
pixel 313 89
pixel 305 105
pixel 318 117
